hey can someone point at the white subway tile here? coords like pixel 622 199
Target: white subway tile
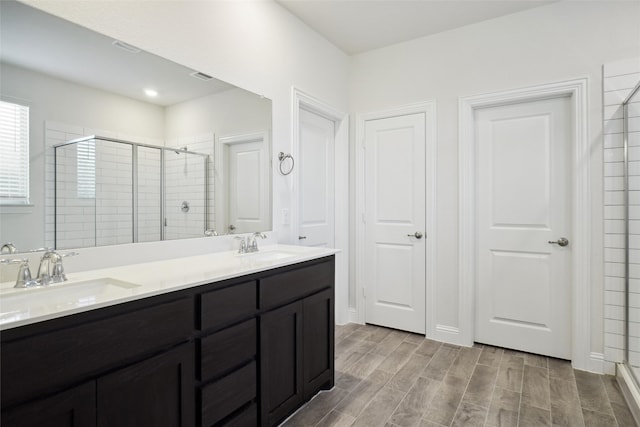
pixel 614 169
pixel 612 340
pixel 620 67
pixel 615 298
pixel 614 312
pixel 613 126
pixel 613 354
pixel 621 82
pixel 616 212
pixel 614 183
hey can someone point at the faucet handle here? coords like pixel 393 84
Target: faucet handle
pixel 57 275
pixel 24 279
pixel 243 244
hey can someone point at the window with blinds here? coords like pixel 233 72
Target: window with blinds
pixel 14 154
pixel 86 167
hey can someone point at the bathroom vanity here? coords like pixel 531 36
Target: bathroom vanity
pixel 245 346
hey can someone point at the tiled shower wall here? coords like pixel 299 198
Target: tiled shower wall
pixel 619 78
pixel 190 224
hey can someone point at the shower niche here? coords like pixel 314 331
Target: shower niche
pixel 110 191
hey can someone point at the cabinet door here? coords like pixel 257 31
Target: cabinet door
pixel 71 408
pixel 280 362
pixel 318 332
pixel 156 392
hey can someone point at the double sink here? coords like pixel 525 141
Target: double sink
pixel 18 305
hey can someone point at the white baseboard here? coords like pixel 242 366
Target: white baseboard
pixel 448 334
pixel 353 316
pixel 597 363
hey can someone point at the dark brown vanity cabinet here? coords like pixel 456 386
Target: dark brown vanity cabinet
pixel 296 339
pixel 241 352
pixel 72 408
pixel 134 364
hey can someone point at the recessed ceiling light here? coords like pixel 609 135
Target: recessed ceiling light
pixel 151 93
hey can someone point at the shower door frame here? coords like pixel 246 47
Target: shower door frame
pixel 134 172
pixel 625 142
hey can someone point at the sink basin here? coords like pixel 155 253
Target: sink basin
pixel 17 304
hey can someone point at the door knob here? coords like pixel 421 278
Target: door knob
pixel 417 235
pixel 302 237
pixel 563 241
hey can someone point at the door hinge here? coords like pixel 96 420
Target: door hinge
pixel 364 220
pixel 364 292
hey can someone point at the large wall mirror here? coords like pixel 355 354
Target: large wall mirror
pixel 124 146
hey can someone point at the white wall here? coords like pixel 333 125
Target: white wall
pixel 557 42
pixel 233 111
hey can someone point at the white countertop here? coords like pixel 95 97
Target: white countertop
pixel 94 289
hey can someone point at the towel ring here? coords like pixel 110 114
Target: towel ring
pixel 282 157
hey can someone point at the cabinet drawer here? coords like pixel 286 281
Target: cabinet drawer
pixel 228 394
pixel 245 418
pixel 37 364
pixel 227 305
pixel 230 347
pixel 285 287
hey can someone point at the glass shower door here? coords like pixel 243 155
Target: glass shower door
pixel 631 122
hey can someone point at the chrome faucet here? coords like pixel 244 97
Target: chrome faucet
pixel 249 244
pixel 24 279
pixel 51 269
pixel 252 242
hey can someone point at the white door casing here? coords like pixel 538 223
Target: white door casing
pixel 242 183
pixel 576 90
pixel 523 295
pixel 395 214
pixel 316 146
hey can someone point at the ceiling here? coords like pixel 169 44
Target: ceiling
pixel 357 26
pixel 35 40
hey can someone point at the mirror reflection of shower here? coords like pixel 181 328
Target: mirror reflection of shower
pixel 111 191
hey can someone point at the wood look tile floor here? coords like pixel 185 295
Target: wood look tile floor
pixel 390 378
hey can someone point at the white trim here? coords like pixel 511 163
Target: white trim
pixel 429 109
pixel 597 363
pixel 310 103
pixel 629 389
pixel 447 334
pixel 581 207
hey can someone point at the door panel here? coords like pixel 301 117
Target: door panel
pixel 395 275
pixel 247 188
pixel 316 209
pixel 524 282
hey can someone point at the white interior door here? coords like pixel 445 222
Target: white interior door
pixel 395 217
pixel 247 178
pixel 523 299
pixel 316 180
